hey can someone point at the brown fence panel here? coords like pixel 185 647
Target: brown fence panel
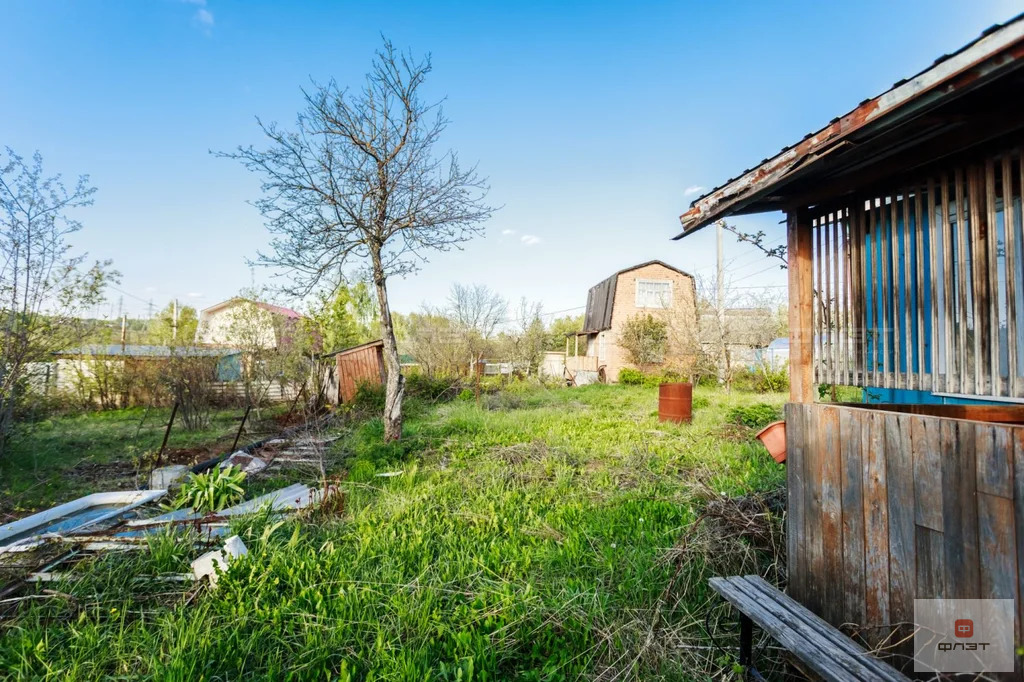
pixel 886 507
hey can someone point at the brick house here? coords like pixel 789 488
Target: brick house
pixel 653 287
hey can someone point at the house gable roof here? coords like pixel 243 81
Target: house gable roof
pixel 601 297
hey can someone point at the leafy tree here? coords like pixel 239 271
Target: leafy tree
pixel 162 327
pixel 358 180
pixel 44 287
pixel 644 338
pixel 559 328
pixel 335 321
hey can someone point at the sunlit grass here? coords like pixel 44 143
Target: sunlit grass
pixel 533 536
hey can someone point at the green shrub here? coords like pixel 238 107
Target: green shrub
pixel 211 491
pixel 762 379
pixel 631 377
pixel 701 403
pixel 466 394
pixel 755 416
pixel 432 388
pixel 369 397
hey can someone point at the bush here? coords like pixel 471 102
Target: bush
pixel 369 397
pixel 634 377
pixel 755 416
pixel 432 388
pixel 762 379
pixel 700 402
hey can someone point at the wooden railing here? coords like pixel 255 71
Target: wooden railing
pixel 575 363
pixel 886 506
pixel 920 287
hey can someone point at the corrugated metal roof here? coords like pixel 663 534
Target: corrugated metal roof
pixel 996 53
pixel 140 351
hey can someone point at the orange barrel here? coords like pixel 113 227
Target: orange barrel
pixel 675 402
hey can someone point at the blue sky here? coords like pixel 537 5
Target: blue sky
pixel 594 121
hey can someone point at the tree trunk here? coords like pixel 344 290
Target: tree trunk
pixel 395 386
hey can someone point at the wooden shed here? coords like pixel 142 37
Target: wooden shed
pixel 905 255
pixel 353 366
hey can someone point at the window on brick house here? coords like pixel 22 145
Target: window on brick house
pixel 653 293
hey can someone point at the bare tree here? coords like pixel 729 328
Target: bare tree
pixel 477 307
pixel 359 180
pixel 44 288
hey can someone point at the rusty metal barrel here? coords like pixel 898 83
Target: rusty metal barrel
pixel 675 402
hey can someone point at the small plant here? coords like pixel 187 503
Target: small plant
pixel 211 491
pixel 755 416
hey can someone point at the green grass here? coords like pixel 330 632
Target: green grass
pixel 541 535
pixel 61 458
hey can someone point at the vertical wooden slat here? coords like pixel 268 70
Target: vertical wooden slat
pixel 837 314
pixel 796 483
pixel 930 565
pixel 900 486
pixel 951 383
pixel 862 288
pixel 854 455
pixel 884 294
pixel 908 342
pixel 847 296
pixel 979 279
pixel 927 454
pixel 960 511
pixel 813 516
pixel 934 241
pixel 876 525
pixel 1010 246
pixel 819 308
pixel 831 512
pixel 991 304
pixel 996 547
pixel 963 249
pixel 919 289
pixel 894 268
pixel 828 339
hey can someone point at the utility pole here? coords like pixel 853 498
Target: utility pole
pixel 720 302
pixel 174 322
pixel 124 331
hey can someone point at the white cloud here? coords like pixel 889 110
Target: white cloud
pixel 507 232
pixel 530 239
pixel 204 17
pixel 692 189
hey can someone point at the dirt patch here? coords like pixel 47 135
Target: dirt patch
pixel 104 476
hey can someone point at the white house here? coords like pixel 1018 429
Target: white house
pixel 247 323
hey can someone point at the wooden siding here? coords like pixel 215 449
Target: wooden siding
pixel 886 507
pixel 361 365
pixel 920 287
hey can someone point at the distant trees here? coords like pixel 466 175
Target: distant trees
pixel 44 286
pixel 358 180
pixel 175 325
pixel 559 328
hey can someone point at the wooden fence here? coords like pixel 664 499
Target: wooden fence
pixel 276 392
pixel 886 507
pixel 920 286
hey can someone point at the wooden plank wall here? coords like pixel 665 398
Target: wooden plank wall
pixel 918 287
pixel 886 507
pixel 365 365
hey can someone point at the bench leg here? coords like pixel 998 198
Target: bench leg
pixel 746 641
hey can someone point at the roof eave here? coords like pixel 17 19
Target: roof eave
pixel 985 57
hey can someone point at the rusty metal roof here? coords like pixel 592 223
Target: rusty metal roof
pixel 878 129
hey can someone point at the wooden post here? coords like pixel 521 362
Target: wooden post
pixel 577 346
pixel 801 307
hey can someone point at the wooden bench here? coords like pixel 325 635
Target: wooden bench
pixel 820 646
